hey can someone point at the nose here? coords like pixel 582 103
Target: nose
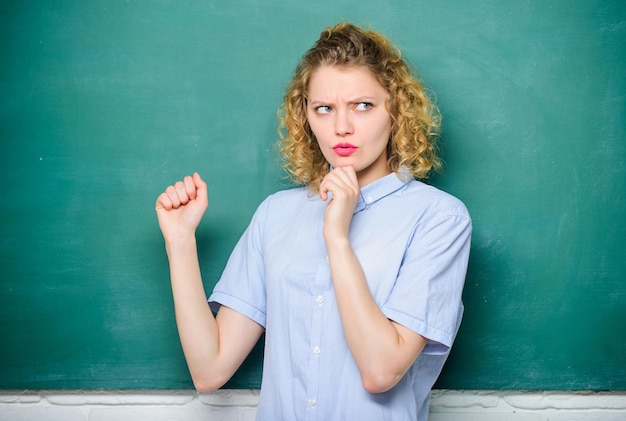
pixel 343 123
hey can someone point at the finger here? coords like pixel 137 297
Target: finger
pixel 347 175
pixel 190 187
pixel 181 192
pixel 340 183
pixel 329 186
pixel 337 174
pixel 163 201
pixel 323 191
pixel 351 173
pixel 173 196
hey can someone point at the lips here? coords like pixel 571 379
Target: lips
pixel 344 149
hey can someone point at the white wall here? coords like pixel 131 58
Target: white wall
pixel 240 405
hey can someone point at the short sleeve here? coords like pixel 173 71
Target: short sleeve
pixel 426 297
pixel 242 284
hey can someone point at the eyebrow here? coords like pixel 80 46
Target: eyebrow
pixel 355 100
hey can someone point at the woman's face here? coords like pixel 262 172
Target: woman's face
pixel 347 112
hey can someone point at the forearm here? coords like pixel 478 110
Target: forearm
pixel 378 348
pixel 197 327
pixel 214 347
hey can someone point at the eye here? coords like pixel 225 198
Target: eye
pixel 323 109
pixel 363 106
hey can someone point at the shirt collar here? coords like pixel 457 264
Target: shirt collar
pixel 382 187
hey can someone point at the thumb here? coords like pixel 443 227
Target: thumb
pixel 201 188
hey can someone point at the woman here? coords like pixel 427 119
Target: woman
pixel 355 277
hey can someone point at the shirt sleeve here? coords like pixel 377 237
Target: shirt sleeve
pixel 426 297
pixel 242 284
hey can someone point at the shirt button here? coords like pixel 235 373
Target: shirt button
pixel 368 199
pixel 317 350
pixel 312 402
pixel 319 299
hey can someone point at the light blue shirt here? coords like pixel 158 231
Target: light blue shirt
pixel 413 243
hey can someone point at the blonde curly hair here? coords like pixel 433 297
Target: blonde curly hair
pixel 415 118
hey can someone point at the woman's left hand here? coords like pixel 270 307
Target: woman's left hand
pixel 343 185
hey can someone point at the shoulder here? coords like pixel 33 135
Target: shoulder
pixel 430 199
pixel 290 197
pixel 281 213
pixel 285 202
pixel 290 194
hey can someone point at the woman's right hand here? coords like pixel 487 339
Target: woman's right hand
pixel 181 207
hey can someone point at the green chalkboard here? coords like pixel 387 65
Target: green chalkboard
pixel 103 103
